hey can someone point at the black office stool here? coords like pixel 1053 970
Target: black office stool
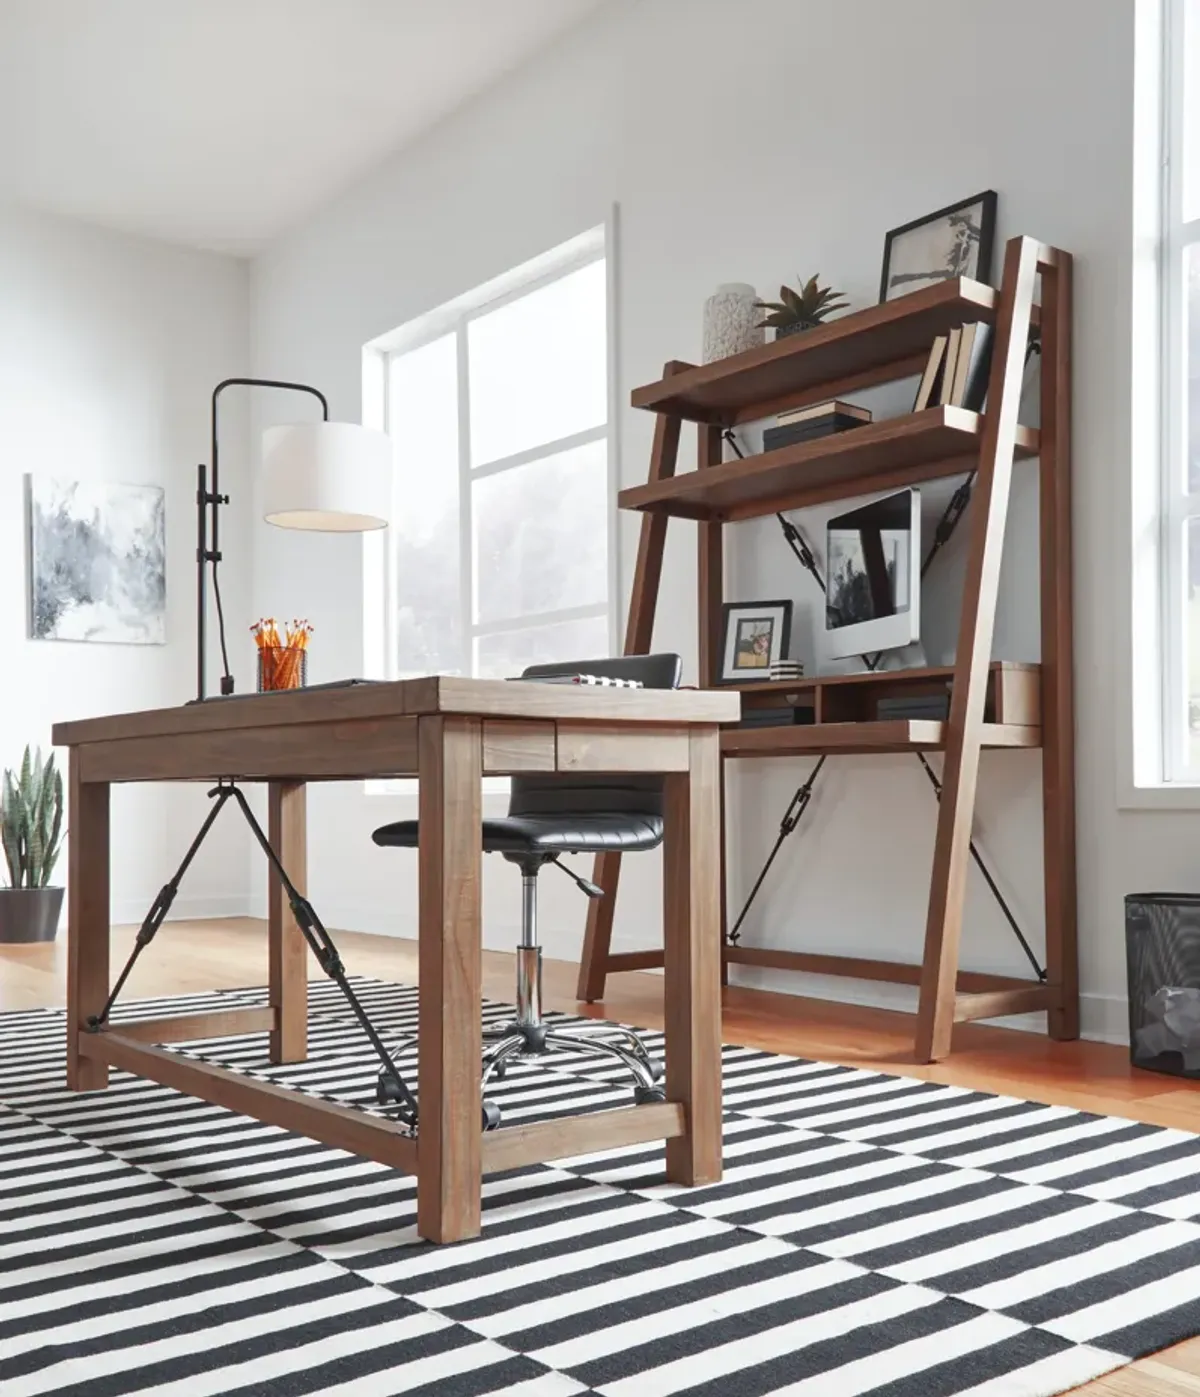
pixel 549 816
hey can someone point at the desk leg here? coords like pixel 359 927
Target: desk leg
pixel 87 921
pixel 287 951
pixel 449 1149
pixel 692 937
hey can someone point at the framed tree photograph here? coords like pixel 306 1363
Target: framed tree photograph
pixel 755 636
pixel 953 242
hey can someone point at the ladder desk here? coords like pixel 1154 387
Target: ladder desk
pixel 990 706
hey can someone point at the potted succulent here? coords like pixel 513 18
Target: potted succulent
pixel 801 310
pixel 31 811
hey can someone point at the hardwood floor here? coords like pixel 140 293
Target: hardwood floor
pixel 193 956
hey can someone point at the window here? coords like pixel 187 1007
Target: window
pixel 499 551
pixel 1180 314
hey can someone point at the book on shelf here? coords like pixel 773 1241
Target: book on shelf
pixel 814 410
pixel 931 377
pixel 769 717
pixel 956 372
pixel 936 706
pixel 974 364
pixel 946 383
pixel 829 422
pixel 776 437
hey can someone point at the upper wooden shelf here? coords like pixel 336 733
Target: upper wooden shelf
pixel 855 351
pixel 883 455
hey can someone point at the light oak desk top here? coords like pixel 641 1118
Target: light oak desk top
pixel 449 733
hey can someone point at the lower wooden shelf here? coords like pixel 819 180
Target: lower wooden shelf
pixel 977 995
pixel 893 735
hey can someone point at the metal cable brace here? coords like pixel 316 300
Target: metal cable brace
pixel 392 1089
pixel 988 879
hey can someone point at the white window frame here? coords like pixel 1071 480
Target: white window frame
pixel 379 549
pixel 1177 503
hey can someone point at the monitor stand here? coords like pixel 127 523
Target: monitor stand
pixel 908 657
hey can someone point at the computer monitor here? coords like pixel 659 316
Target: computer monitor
pixel 873 553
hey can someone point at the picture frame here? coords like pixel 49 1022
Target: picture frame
pixel 95 561
pixel 754 636
pixel 955 241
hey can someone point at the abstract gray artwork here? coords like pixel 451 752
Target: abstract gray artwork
pixel 97 562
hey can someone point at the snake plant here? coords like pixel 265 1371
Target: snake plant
pixel 31 811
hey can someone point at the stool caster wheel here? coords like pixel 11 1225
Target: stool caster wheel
pixel 656 1069
pixel 501 1072
pixel 491 1116
pixel 645 1096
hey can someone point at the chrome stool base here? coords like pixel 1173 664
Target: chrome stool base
pixel 529 1036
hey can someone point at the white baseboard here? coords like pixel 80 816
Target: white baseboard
pixel 131 911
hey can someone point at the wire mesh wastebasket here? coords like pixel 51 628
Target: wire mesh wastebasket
pixel 1162 946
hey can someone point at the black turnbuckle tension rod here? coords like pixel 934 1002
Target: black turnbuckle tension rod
pixel 796 541
pixel 791 818
pixel 989 880
pixel 393 1090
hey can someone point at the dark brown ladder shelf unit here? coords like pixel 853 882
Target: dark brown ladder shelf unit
pixel 991 705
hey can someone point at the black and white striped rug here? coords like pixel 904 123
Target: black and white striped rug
pixel 873 1234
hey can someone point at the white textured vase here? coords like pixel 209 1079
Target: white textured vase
pixel 731 321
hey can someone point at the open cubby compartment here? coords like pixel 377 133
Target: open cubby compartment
pixel 774 695
pixel 1012 695
pixel 859 703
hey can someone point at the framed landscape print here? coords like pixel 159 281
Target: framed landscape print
pixel 956 241
pixel 755 636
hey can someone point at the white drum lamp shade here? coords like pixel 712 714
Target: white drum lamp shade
pixel 332 477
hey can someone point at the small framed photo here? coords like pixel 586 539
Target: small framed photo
pixel 955 241
pixel 755 636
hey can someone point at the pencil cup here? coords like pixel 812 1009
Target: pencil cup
pixel 282 667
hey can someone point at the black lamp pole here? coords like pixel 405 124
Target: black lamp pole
pixel 208 535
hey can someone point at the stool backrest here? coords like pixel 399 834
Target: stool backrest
pixel 598 795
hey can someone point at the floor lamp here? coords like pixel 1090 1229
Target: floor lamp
pixel 331 477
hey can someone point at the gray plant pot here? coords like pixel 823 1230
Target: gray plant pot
pixel 29 914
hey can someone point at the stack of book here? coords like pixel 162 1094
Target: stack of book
pixel 809 423
pixel 774 717
pixel 956 372
pixel 935 706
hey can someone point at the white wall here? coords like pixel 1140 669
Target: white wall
pixel 757 141
pixel 109 349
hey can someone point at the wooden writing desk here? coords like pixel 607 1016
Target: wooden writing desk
pixel 449 733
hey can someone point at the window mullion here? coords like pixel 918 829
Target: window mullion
pixel 1174 499
pixel 466 537
pixel 1180 507
pixel 558 447
pixel 534 619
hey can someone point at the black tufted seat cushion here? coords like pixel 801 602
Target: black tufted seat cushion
pixel 559 833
